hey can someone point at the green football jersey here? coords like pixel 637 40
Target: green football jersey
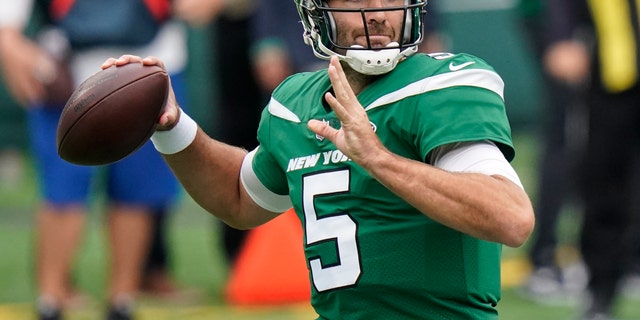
pixel 370 254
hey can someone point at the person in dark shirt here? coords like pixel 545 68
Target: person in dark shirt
pixel 605 35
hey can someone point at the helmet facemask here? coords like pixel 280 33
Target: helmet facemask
pixel 320 32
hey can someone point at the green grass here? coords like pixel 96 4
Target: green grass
pixel 198 263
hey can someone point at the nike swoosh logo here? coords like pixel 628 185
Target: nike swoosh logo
pixel 453 67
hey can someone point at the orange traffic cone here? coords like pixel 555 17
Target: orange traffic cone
pixel 271 267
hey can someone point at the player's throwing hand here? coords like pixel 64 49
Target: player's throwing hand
pixel 355 138
pixel 171 113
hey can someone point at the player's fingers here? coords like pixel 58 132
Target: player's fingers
pixel 334 104
pixel 108 63
pixel 341 85
pixel 130 58
pixel 126 59
pixel 343 101
pixel 170 114
pixel 153 61
pixel 332 99
pixel 323 129
pixel 335 76
pixel 122 60
pixel 169 117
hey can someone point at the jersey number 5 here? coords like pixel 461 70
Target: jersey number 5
pixel 338 227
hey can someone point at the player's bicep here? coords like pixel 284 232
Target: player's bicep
pixel 257 191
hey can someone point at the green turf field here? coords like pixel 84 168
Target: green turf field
pixel 198 264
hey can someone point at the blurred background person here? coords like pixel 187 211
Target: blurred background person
pixel 262 46
pixel 238 102
pixel 563 137
pixel 605 34
pixel 277 49
pixel 74 38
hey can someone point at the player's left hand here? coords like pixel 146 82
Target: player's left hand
pixel 356 138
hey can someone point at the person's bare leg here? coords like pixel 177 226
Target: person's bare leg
pixel 129 238
pixel 59 231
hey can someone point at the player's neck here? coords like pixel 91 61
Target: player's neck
pixel 357 80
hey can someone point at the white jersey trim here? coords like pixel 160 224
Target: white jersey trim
pixel 478 157
pixel 277 109
pixel 472 77
pixel 262 196
pixel 480 78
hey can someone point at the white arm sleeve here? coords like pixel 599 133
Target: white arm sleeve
pixel 258 192
pixel 478 157
pixel 15 13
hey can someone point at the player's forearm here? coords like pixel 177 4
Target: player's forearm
pixel 487 207
pixel 209 171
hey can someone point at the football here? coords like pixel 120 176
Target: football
pixel 111 114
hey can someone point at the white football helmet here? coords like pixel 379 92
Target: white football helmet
pixel 320 33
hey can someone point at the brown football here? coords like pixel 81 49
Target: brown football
pixel 112 114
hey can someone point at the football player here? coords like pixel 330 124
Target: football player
pixel 396 163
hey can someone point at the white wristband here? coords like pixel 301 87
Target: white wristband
pixel 178 138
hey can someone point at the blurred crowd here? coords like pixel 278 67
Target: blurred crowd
pixel 588 166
